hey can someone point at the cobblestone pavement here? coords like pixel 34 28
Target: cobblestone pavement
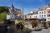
pixel 43 31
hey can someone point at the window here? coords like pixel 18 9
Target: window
pixel 36 16
pixel 48 15
pixel 44 15
pixel 30 16
pixel 42 12
pixel 39 12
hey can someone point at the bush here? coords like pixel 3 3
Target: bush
pixel 25 30
pixel 20 26
pixel 34 23
pixel 2 17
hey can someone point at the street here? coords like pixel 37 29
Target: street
pixel 43 31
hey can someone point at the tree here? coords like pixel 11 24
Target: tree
pixel 4 9
pixel 34 23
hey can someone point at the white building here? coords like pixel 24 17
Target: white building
pixel 41 14
pixel 32 15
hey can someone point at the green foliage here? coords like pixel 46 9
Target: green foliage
pixel 3 12
pixel 2 16
pixel 21 21
pixel 25 30
pixel 3 8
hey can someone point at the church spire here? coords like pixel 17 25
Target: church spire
pixel 12 6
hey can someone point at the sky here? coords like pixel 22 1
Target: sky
pixel 26 5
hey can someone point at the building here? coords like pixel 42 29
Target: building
pixel 31 15
pixel 48 13
pixel 15 13
pixel 42 14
